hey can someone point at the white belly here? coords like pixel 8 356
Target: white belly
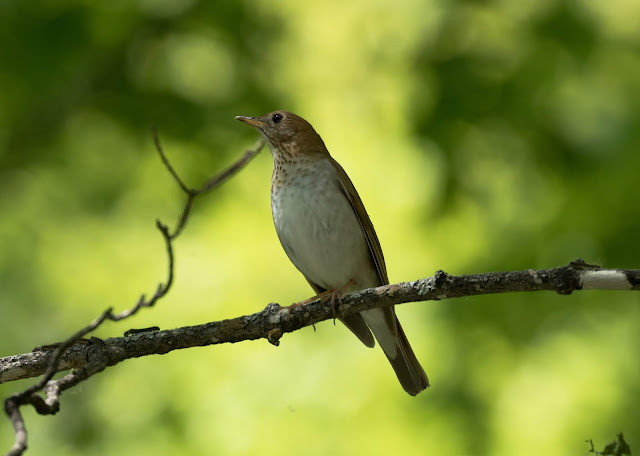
pixel 320 232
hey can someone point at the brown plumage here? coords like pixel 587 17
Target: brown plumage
pixel 327 234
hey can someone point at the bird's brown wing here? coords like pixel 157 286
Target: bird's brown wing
pixel 354 322
pixel 370 235
pixel 365 222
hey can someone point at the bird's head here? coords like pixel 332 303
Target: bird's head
pixel 287 133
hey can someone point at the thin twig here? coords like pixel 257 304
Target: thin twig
pixel 221 178
pixel 182 221
pixel 107 355
pixel 209 185
pixel 165 160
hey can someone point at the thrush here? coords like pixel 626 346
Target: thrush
pixel 327 234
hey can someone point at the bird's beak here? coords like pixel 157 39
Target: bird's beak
pixel 253 121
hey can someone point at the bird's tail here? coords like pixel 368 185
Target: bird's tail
pixel 396 346
pixel 407 367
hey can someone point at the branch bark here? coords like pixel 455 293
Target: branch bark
pixel 274 321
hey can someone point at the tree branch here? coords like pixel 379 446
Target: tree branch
pixel 273 321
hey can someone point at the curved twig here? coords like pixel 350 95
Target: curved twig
pixel 99 355
pixel 209 185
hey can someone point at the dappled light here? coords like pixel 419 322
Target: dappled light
pixel 481 136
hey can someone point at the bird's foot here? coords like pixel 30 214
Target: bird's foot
pixel 337 295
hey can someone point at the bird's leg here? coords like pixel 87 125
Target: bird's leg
pixel 321 296
pixel 324 296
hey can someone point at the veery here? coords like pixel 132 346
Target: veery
pixel 327 234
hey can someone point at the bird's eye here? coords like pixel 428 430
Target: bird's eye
pixel 277 117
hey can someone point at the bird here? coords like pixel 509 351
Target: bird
pixel 327 234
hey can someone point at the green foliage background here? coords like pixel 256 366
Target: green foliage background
pixel 482 135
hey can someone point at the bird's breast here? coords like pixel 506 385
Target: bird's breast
pixel 318 228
